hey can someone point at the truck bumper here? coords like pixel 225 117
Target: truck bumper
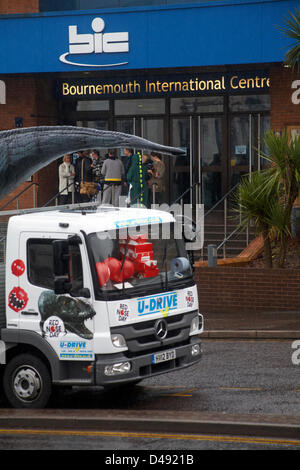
pixel 143 366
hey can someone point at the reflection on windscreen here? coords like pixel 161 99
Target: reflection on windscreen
pixel 127 259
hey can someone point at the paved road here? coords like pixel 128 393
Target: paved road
pixel 235 377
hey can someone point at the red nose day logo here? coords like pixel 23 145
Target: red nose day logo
pixel 189 298
pixel 123 312
pixel 96 43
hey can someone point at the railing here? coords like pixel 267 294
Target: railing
pixel 227 238
pixel 16 198
pixel 224 200
pixel 56 196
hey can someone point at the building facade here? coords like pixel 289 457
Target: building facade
pixel 204 76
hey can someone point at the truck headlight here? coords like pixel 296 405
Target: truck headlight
pixel 118 341
pixel 116 369
pixel 196 324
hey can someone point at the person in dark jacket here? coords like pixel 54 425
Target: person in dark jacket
pixel 83 172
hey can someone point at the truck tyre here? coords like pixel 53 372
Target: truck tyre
pixel 27 382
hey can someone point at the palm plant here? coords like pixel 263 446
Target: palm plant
pixel 266 198
pixel 291 29
pixel 284 175
pixel 255 201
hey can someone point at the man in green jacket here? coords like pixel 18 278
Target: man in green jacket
pixel 136 177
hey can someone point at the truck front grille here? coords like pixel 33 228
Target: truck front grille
pixel 140 337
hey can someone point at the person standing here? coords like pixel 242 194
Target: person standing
pixel 114 173
pixel 83 173
pixel 156 182
pixel 66 173
pixel 97 164
pixel 136 177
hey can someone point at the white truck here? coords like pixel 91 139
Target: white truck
pixel 94 297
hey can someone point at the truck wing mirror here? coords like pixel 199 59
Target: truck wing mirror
pixel 61 258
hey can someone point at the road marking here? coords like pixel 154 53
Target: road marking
pixel 257 389
pixel 186 392
pixel 190 437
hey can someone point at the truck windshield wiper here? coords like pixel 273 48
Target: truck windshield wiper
pixel 164 262
pixel 123 261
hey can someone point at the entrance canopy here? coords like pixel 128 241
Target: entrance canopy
pixel 205 34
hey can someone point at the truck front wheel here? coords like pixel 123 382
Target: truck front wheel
pixel 27 382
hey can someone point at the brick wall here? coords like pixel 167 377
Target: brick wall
pixel 31 98
pixel 248 290
pixel 283 112
pixel 19 6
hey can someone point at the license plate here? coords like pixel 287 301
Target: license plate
pixel 163 356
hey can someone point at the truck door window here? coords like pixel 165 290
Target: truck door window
pixel 40 264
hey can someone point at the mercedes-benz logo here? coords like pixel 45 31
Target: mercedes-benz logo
pixel 161 329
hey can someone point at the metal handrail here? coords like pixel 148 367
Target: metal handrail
pixel 237 229
pixel 228 238
pixel 186 191
pixel 18 195
pixel 58 194
pixel 222 199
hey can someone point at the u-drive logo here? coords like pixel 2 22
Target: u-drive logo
pixel 97 42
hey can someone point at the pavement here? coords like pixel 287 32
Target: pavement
pixel 251 325
pixel 149 421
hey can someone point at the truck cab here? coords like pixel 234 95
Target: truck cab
pixel 96 297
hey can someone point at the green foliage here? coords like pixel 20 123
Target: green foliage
pixel 254 200
pixel 291 29
pixel 266 198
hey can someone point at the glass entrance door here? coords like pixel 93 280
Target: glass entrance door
pixel 202 139
pixel 211 159
pixel 180 167
pixel 246 142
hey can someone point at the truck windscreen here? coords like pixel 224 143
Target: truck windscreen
pixel 139 258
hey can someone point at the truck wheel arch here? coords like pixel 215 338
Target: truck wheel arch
pixel 36 341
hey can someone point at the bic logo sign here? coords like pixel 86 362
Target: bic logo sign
pixel 96 43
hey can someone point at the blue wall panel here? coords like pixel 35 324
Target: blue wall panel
pixel 216 33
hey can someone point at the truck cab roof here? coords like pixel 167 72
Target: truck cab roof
pixel 96 220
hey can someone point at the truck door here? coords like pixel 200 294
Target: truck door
pixel 65 321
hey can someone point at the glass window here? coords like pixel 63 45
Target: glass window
pixel 203 104
pixel 125 125
pixel 211 141
pixel 93 105
pixel 211 187
pixel 135 107
pixel 134 3
pixel 264 127
pixel 150 254
pixel 153 129
pixel 58 5
pixel 90 4
pixel 249 103
pixel 40 263
pixel 180 166
pixel 99 124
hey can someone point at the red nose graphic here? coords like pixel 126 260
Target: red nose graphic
pixel 17 299
pixel 18 267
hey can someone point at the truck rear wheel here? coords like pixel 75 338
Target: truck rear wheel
pixel 27 382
